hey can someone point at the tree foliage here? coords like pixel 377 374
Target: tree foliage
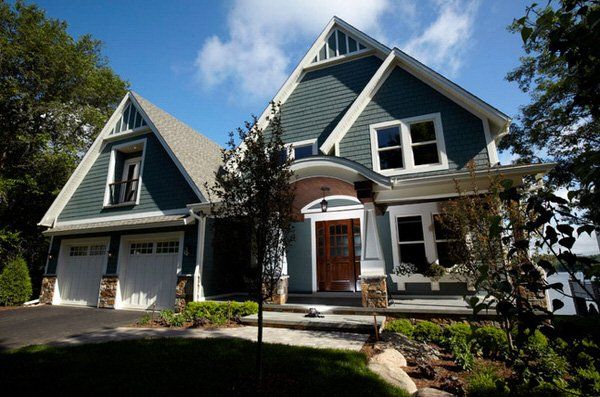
pixel 561 72
pixel 253 189
pixel 56 92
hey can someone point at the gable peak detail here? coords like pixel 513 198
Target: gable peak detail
pixel 130 119
pixel 337 44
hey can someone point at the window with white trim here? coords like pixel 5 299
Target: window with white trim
pixel 444 238
pixel 302 149
pixel 409 145
pixel 141 248
pixel 411 241
pixel 97 249
pixel 125 174
pixel 78 250
pixel 167 247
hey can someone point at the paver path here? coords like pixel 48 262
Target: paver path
pixel 318 339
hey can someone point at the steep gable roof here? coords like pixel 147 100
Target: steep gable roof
pixel 196 156
pixel 498 121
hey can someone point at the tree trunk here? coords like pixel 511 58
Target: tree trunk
pixel 259 370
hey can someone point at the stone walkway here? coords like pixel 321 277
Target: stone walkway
pixel 317 339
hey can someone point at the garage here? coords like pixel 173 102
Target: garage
pixel 148 271
pixel 81 264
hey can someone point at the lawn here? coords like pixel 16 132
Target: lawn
pixel 198 366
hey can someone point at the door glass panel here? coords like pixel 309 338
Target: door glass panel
pixel 357 242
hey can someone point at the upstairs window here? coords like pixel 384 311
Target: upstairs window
pixel 125 174
pixel 409 145
pixel 337 44
pixel 302 149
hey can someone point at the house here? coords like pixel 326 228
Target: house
pixel 378 140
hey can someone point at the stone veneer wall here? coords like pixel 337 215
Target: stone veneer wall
pixel 281 292
pixel 374 291
pixel 47 292
pixel 184 291
pixel 108 291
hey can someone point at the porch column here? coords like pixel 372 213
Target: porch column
pixel 372 262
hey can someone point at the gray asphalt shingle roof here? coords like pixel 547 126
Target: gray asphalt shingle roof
pixel 198 155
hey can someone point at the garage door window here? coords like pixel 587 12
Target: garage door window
pixel 78 250
pixel 141 248
pixel 97 250
pixel 167 247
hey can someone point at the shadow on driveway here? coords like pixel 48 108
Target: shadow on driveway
pixel 43 324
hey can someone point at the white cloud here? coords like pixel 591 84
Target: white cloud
pixel 263 38
pixel 254 56
pixel 442 44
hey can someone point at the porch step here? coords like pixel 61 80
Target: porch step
pixel 330 322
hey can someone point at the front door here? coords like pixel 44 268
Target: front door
pixel 338 254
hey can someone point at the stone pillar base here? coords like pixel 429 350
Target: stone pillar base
pixel 183 291
pixel 108 291
pixel 280 296
pixel 374 291
pixel 47 292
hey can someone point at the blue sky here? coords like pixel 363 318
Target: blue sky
pixel 213 64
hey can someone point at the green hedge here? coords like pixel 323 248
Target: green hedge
pixel 219 312
pixel 15 283
pixel 401 326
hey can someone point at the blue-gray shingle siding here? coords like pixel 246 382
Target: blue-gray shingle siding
pixel 163 186
pixel 322 98
pixel 403 95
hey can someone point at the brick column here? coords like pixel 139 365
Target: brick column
pixel 374 291
pixel 108 291
pixel 47 292
pixel 183 291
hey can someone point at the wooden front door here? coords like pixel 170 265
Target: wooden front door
pixel 338 254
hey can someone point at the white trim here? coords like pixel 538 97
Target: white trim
pixel 428 76
pixel 154 237
pixel 425 211
pixel 291 147
pixel 406 145
pixel 329 216
pixel 111 228
pixel 128 134
pixel 178 211
pixel 307 209
pixel 292 82
pixel 490 143
pixel 82 169
pixel 198 287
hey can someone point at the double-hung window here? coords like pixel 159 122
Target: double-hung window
pixel 409 145
pixel 445 239
pixel 411 241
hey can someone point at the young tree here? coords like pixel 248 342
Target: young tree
pixel 55 94
pixel 496 231
pixel 253 188
pixel 561 72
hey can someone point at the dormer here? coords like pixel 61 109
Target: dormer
pixel 125 170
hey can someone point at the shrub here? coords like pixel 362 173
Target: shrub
pixel 491 341
pixel 461 350
pixel 456 331
pixel 145 319
pixel 426 331
pixel 171 319
pixel 401 326
pixel 219 312
pixel 587 380
pixel 15 283
pixel 486 381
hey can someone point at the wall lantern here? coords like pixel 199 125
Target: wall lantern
pixel 51 255
pixel 324 189
pixel 186 250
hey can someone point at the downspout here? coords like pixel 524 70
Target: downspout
pixel 198 290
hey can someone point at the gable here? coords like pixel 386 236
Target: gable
pixel 129 119
pixel 338 43
pixel 401 96
pixel 163 186
pixel 322 97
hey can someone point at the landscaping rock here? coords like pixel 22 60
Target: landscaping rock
pixel 394 375
pixel 431 392
pixel 390 357
pixel 413 350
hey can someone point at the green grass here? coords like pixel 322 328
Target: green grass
pixel 188 366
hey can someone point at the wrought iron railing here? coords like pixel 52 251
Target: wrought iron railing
pixel 123 191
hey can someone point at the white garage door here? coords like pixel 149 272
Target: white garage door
pixel 148 274
pixel 79 272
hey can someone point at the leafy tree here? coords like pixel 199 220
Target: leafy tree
pixel 253 188
pixel 15 283
pixel 561 72
pixel 55 94
pixel 496 232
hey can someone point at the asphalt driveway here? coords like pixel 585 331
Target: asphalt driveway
pixel 43 324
